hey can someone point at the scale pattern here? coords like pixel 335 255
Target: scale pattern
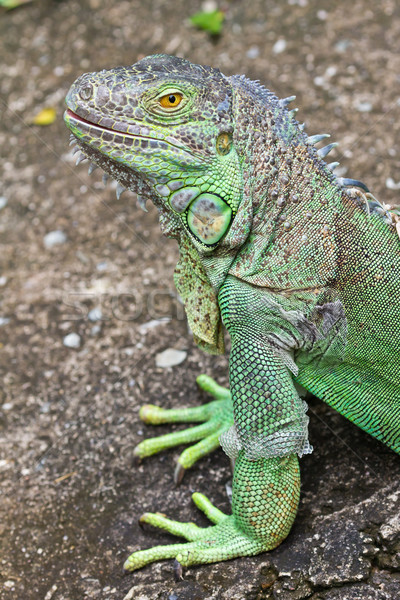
pixel 365 387
pixel 269 416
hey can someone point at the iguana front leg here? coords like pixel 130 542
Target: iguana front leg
pixel 216 418
pixel 270 427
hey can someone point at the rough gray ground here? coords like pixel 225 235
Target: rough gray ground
pixel 70 493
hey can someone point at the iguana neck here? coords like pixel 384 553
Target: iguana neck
pixel 289 198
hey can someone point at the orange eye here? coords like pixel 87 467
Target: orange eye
pixel 171 100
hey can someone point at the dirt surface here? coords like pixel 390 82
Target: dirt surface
pixel 70 491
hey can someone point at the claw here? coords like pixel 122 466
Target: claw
pixel 105 178
pixel 178 571
pixel 148 413
pixel 137 459
pixel 143 523
pixel 178 473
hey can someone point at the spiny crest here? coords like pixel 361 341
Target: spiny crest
pixel 372 205
pixel 260 93
pixel 256 90
pixel 166 64
pixel 344 182
pixel 285 125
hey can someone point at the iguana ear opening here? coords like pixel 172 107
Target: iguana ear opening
pixel 200 300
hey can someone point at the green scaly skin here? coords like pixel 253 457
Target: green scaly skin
pixel 300 267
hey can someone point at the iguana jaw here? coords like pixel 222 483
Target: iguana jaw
pixel 94 133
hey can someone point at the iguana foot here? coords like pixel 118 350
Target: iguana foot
pixel 265 496
pixel 216 417
pixel 221 541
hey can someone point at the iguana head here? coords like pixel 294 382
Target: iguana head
pixel 163 128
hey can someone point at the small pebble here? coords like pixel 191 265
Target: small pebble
pixel 101 266
pixel 4 321
pixel 279 46
pixel 209 6
pixel 391 184
pixel 342 45
pixel 152 324
pixel 170 357
pixel 363 106
pixel 9 584
pixel 331 71
pixel 253 52
pixel 320 81
pixel 95 314
pixel 54 238
pixel 72 340
pixel 3 202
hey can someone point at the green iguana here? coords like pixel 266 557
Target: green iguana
pixel 301 267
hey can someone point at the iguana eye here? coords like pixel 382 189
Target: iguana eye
pixel 171 100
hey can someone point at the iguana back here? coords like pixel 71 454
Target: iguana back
pixel 365 385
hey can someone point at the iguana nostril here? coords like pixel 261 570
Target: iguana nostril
pixel 86 92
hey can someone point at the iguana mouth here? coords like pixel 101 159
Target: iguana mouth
pixel 84 125
pixel 70 114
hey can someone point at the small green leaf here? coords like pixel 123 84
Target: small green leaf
pixel 46 116
pixel 9 4
pixel 209 21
